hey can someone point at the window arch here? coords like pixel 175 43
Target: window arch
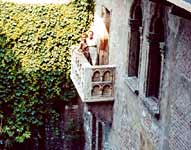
pixel 155 37
pixel 135 22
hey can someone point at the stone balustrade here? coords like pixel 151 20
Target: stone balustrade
pixel 93 83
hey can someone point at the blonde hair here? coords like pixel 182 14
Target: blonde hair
pixel 84 35
pixel 91 31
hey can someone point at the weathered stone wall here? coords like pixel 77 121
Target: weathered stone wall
pixel 87 128
pixel 95 113
pixel 178 91
pixel 133 126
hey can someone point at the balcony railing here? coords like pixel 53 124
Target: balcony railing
pixel 93 83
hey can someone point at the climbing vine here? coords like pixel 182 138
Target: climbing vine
pixel 35 43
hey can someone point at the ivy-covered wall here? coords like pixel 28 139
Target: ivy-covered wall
pixel 35 58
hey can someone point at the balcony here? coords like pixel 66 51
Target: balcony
pixel 93 83
pixel 185 4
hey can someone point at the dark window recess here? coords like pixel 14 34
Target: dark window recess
pixel 154 68
pixel 100 136
pixel 154 60
pixel 93 132
pixel 135 22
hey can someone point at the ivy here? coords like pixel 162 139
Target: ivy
pixel 35 56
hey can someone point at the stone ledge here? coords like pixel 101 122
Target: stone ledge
pixel 152 105
pixel 132 83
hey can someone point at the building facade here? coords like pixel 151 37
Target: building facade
pixel 140 99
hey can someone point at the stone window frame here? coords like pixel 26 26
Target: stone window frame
pixel 135 32
pixel 156 41
pixel 97 142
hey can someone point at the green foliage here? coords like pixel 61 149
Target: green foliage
pixel 35 58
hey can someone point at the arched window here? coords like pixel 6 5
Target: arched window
pixel 155 37
pixel 135 23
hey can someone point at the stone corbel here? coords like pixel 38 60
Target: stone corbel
pixel 152 105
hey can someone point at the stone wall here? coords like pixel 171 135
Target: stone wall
pixel 178 119
pixel 134 127
pixel 97 125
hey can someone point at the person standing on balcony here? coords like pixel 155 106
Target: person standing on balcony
pixel 92 45
pixel 84 48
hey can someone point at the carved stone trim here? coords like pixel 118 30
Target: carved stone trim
pixel 152 105
pixel 96 76
pixel 93 83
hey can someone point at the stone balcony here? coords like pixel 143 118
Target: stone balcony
pixel 93 83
